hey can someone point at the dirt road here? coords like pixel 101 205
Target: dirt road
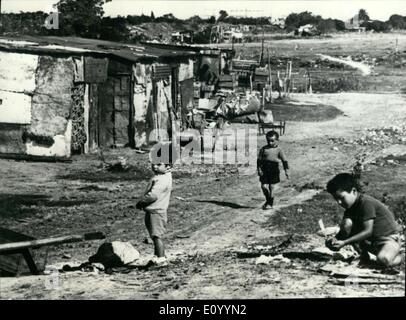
pixel 212 217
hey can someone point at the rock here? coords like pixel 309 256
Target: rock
pixel 335 149
pixel 98 266
pixel 115 254
pixel 275 259
pixel 263 260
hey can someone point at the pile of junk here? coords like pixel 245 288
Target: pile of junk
pixel 217 113
pixel 227 107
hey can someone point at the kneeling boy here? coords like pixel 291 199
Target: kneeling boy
pixel 368 224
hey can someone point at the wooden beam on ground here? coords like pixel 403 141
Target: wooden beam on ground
pixel 16 246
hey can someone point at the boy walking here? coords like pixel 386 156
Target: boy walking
pixel 155 200
pixel 368 225
pixel 268 167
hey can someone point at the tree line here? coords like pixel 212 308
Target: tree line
pixel 85 18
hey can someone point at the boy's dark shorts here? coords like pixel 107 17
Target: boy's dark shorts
pixel 270 177
pixel 155 223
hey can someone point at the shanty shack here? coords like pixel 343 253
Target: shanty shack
pixel 61 96
pixel 210 63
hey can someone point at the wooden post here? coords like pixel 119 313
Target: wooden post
pixel 155 107
pixel 396 48
pixel 289 84
pixel 219 63
pixel 285 82
pixel 269 76
pixel 261 62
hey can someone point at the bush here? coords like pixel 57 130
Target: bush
pixel 344 83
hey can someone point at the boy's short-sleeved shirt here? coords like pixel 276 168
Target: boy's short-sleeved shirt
pixel 161 186
pixel 367 208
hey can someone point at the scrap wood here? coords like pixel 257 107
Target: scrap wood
pixel 352 281
pixel 14 246
pixel 344 272
pixel 140 151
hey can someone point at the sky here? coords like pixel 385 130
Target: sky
pixel 344 9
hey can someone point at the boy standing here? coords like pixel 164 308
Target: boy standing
pixel 367 224
pixel 268 167
pixel 155 202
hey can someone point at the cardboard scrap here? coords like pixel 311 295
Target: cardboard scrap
pixel 268 259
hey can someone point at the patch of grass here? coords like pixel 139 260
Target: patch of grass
pixel 284 110
pixel 303 218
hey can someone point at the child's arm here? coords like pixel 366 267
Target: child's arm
pixel 365 233
pixel 259 162
pixel 146 200
pixel 150 196
pixel 285 163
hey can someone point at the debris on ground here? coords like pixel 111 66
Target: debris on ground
pixel 278 259
pixel 118 166
pixel 180 199
pixel 254 250
pixel 342 270
pixel 382 136
pixel 115 254
pixel 329 231
pixel 347 253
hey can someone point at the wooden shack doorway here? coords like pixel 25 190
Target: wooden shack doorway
pixel 110 123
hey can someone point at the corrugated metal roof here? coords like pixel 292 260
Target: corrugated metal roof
pixel 72 45
pixel 185 47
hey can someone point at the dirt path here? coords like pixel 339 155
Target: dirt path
pixel 365 69
pixel 202 266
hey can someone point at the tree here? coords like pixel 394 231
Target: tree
pixel 377 26
pixel 168 17
pixel 363 15
pixel 152 15
pixel 294 20
pixel 114 29
pixel 80 17
pixel 397 21
pixel 326 26
pixel 340 25
pixel 211 20
pixel 223 15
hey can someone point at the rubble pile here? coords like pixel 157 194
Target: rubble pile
pixel 382 136
pixel 376 137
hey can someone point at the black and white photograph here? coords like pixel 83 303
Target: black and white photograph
pixel 202 150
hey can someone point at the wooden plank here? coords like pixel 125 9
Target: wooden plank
pixel 347 282
pixel 95 69
pixel 13 246
pixel 30 262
